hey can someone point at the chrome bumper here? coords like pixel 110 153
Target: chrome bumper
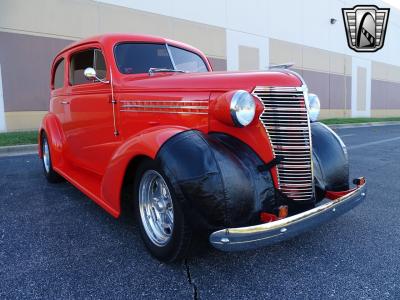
pixel 245 238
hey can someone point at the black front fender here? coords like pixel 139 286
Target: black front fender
pixel 330 160
pixel 215 177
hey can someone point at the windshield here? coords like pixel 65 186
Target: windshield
pixel 136 58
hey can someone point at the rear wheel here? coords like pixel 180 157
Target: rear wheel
pixel 163 226
pixel 48 170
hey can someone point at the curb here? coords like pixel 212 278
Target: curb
pixel 18 150
pixel 360 125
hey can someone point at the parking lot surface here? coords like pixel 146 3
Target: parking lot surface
pixel 56 243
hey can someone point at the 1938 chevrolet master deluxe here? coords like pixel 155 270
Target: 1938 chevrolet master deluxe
pixel 239 156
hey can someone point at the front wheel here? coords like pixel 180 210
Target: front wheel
pixel 48 170
pixel 163 226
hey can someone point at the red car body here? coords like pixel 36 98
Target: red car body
pixel 98 129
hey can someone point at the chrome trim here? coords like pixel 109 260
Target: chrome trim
pixel 156 208
pixel 269 137
pixel 90 74
pixel 294 166
pixel 167 101
pixel 304 88
pixel 170 56
pixel 287 109
pixel 282 66
pixel 46 155
pixel 233 111
pixel 197 107
pixel 292 147
pixel 164 112
pixel 152 71
pixel 163 106
pixel 282 127
pixel 280 88
pixel 252 237
pixel 286 121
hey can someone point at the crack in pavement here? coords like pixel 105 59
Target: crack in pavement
pixel 190 280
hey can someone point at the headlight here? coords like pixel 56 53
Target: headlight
pixel 242 108
pixel 314 107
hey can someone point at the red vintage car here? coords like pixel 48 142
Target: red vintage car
pixel 237 155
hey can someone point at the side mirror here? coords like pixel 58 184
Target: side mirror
pixel 91 74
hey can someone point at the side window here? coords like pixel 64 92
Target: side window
pixel 187 61
pixel 80 61
pixel 58 79
pixel 100 64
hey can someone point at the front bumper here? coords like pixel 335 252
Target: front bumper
pixel 252 237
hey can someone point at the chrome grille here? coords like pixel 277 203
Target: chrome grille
pixel 285 119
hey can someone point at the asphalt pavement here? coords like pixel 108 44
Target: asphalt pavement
pixel 55 243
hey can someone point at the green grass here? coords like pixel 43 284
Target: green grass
pixel 18 138
pixel 30 137
pixel 357 120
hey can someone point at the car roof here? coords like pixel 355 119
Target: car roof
pixel 114 38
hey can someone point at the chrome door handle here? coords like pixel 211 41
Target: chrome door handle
pixel 64 102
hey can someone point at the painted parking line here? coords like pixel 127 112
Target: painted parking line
pixel 374 143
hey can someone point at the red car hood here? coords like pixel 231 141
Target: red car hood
pixel 211 81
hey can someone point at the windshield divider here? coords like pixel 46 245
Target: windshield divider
pixel 170 55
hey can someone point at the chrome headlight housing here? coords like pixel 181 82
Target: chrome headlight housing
pixel 314 107
pixel 242 108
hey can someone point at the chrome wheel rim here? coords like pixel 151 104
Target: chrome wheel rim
pixel 156 208
pixel 46 155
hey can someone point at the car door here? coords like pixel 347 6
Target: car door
pixel 89 120
pixel 58 89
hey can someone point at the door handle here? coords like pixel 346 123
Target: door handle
pixel 64 102
pixel 111 100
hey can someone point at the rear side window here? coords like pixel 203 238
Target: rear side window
pixel 58 80
pixel 92 58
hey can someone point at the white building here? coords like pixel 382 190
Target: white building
pixel 235 35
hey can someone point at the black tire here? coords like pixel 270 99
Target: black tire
pixel 51 175
pixel 180 239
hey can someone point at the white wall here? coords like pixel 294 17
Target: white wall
pixel 301 21
pixel 234 39
pixel 366 64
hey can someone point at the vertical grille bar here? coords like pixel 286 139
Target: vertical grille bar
pixel 286 122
